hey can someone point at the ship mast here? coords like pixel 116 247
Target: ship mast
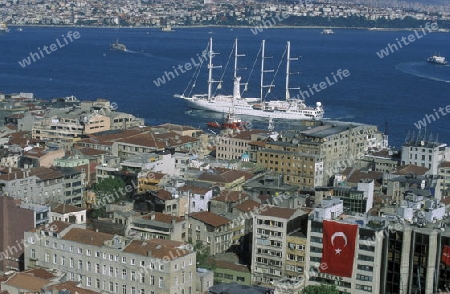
pixel 263 70
pixel 236 79
pixel 210 68
pixel 288 61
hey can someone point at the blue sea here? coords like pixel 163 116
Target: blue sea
pixel 395 91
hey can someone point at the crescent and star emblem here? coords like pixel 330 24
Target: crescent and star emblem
pixel 338 234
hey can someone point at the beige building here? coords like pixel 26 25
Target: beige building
pixel 113 264
pixel 158 225
pixel 295 254
pixel 212 230
pixel 68 213
pixel 271 229
pixel 232 146
pixel 309 156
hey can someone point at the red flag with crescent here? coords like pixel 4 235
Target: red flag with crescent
pixel 339 242
pixel 446 255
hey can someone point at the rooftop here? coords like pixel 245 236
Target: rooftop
pixel 210 218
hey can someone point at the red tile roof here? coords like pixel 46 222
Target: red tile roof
pixel 162 217
pixel 222 264
pixel 40 273
pixel 407 169
pixel 248 205
pixel 158 249
pixel 45 173
pixel 209 218
pixel 72 287
pixel 27 282
pixel 279 212
pixel 163 194
pixel 87 237
pixel 66 208
pixel 227 176
pixel 231 196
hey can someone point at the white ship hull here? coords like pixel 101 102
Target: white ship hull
pixel 285 110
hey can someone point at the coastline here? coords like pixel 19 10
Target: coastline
pixel 224 26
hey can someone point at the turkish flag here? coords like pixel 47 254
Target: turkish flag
pixel 446 255
pixel 339 241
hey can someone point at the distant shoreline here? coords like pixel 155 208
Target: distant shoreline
pixel 223 26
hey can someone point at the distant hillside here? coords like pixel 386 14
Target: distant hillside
pixel 382 3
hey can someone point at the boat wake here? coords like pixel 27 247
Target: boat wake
pixel 140 53
pixel 439 73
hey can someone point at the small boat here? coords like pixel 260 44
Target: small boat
pixel 117 46
pixel 4 28
pixel 231 122
pixel 327 32
pixel 437 59
pixel 166 29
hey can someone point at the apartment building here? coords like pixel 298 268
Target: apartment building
pixel 227 200
pixel 233 146
pixel 17 217
pixel 158 225
pixel 212 230
pixel 295 254
pixel 443 181
pixel 68 213
pixel 63 125
pixel 426 154
pixel 365 263
pixel 307 157
pixel 112 264
pixel 271 228
pixel 40 280
pixel 37 185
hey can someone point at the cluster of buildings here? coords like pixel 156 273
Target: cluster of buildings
pixel 249 210
pixel 162 13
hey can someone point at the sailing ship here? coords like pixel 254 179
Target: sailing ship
pixel 289 108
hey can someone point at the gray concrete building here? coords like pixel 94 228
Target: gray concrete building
pixel 112 264
pixel 270 232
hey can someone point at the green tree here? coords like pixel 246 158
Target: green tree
pixel 320 289
pixel 107 190
pixel 202 254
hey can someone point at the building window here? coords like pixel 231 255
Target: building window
pixel 88 281
pixel 124 274
pixel 124 259
pixel 71 262
pixel 124 289
pixel 161 282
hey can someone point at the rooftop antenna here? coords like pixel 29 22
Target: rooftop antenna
pixel 408 137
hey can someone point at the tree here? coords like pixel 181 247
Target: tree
pixel 107 190
pixel 320 289
pixel 202 254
